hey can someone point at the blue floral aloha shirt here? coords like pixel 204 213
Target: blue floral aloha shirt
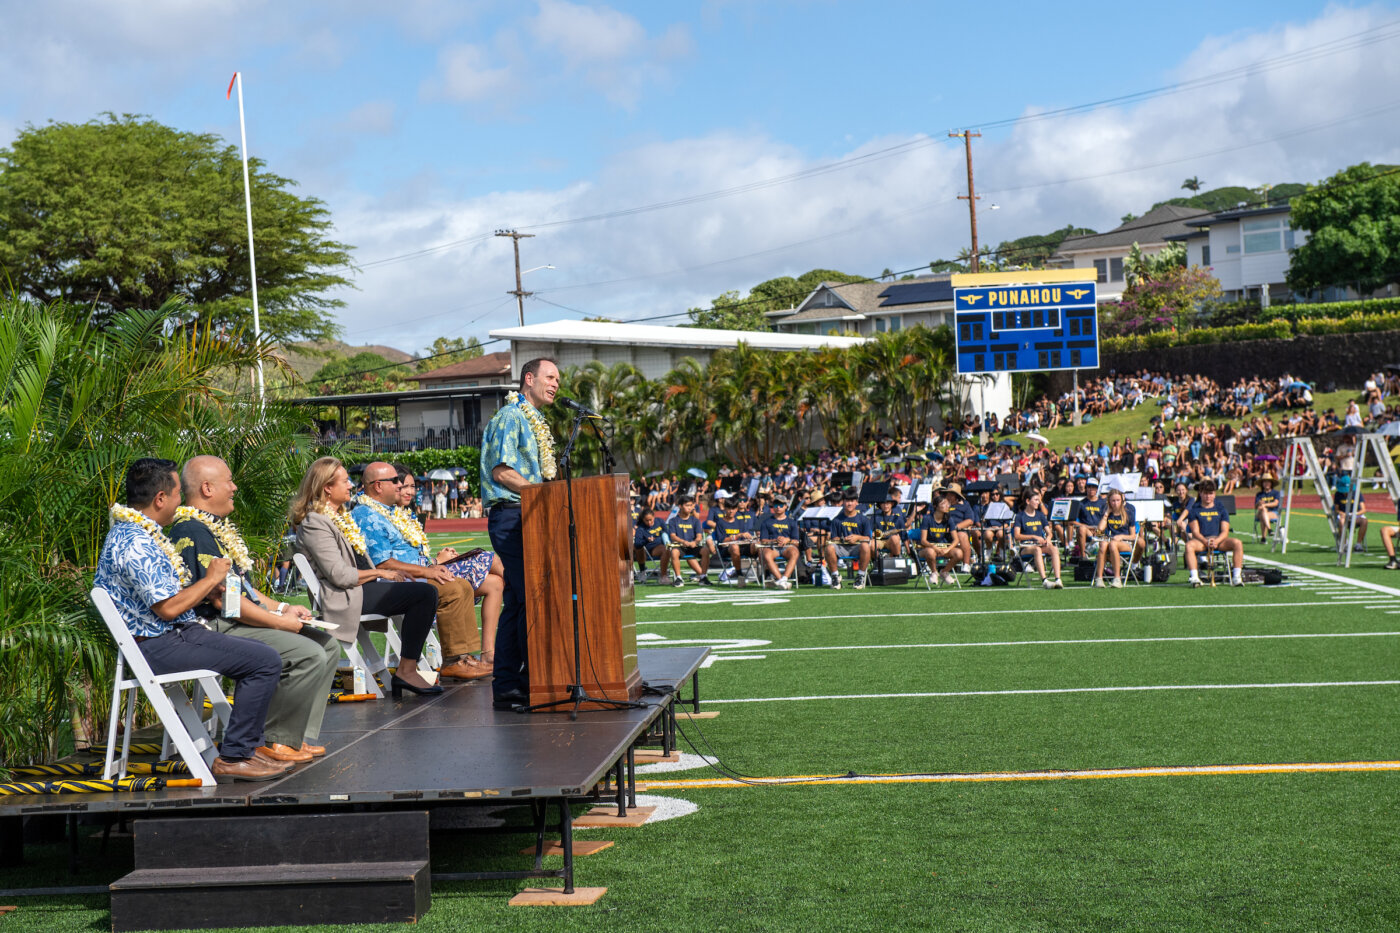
pixel 508 441
pixel 385 542
pixel 137 575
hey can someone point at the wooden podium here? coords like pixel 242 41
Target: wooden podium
pixel 607 617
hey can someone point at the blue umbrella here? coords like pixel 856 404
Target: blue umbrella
pixel 1298 385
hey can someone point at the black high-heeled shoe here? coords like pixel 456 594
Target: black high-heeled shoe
pixel 398 685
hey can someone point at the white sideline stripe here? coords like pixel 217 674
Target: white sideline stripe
pixel 1324 575
pixel 998 693
pixel 987 612
pixel 1083 641
pixel 1087 774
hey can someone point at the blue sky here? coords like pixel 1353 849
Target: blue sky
pixel 422 123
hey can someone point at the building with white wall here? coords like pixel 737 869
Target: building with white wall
pixel 1105 252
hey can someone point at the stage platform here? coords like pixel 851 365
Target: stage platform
pixel 422 752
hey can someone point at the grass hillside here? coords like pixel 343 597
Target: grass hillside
pixel 1121 424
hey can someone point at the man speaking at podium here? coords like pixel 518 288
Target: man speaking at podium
pixel 517 450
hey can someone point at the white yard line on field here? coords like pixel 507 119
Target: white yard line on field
pixel 1084 641
pixel 930 614
pixel 996 693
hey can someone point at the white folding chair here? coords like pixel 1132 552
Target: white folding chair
pixel 364 653
pixel 180 716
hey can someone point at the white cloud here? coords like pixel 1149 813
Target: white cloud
pixel 585 35
pixel 466 74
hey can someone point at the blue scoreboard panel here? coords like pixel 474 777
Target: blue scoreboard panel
pixel 1026 328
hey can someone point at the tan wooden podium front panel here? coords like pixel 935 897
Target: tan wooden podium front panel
pixel 608 622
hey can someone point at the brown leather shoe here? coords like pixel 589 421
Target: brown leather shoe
pixel 280 752
pixel 269 760
pixel 464 669
pixel 316 751
pixel 248 769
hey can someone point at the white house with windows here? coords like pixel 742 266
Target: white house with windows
pixel 1105 252
pixel 1248 250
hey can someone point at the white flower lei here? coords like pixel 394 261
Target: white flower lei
pixel 406 524
pixel 224 532
pixel 122 513
pixel 548 468
pixel 346 525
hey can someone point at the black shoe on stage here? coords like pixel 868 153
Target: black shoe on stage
pixel 397 686
pixel 510 700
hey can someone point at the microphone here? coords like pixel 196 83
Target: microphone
pixel 578 406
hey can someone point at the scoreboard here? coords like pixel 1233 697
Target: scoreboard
pixel 1023 327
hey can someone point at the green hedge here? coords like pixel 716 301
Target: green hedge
pixel 1169 338
pixel 421 461
pixel 1355 324
pixel 1330 309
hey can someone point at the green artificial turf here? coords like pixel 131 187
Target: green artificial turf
pixel 1265 851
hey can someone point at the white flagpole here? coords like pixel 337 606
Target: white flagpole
pixel 248 205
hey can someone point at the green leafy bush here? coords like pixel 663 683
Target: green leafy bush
pixel 1330 309
pixel 421 461
pixel 1354 324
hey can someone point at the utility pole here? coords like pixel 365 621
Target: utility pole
pixel 971 196
pixel 519 293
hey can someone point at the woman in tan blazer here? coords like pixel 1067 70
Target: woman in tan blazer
pixel 350 585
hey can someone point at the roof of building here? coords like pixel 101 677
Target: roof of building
pixel 1153 227
pixel 1237 213
pixel 481 367
pixel 859 299
pixel 657 336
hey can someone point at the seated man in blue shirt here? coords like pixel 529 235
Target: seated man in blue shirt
pixel 1091 509
pixel 778 536
pixel 648 540
pixel 148 581
pixel 458 582
pixel 687 538
pixel 1209 528
pixel 851 536
pixel 1266 503
pixel 732 538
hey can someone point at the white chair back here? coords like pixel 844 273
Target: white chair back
pixel 182 721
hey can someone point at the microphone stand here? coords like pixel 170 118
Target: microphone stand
pixel 577 695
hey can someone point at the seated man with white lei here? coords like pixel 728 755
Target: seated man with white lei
pixel 155 594
pixel 203 532
pixel 397 542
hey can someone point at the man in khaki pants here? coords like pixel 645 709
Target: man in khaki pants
pixel 391 549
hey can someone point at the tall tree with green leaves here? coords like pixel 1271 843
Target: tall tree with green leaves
pixel 1192 184
pixel 448 350
pixel 363 372
pixel 1353 219
pixel 123 213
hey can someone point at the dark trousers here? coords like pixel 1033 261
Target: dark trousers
pixel 416 602
pixel 512 660
pixel 254 667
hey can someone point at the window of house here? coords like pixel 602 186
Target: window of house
pixel 1115 269
pixel 1263 236
pixel 1205 255
pixel 1101 267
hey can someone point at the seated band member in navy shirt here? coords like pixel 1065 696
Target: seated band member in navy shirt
pixel 648 540
pixel 938 540
pixel 889 528
pixel 687 537
pixel 1031 532
pixel 1119 525
pixel 1209 527
pixel 1266 503
pixel 732 538
pixel 778 536
pixel 851 536
pixel 1090 512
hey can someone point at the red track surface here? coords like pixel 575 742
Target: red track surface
pixel 458 525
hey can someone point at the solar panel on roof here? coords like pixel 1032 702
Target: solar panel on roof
pixel 916 293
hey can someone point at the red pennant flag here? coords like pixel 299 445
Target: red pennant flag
pixel 229 95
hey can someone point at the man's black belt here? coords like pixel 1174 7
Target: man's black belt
pixel 501 506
